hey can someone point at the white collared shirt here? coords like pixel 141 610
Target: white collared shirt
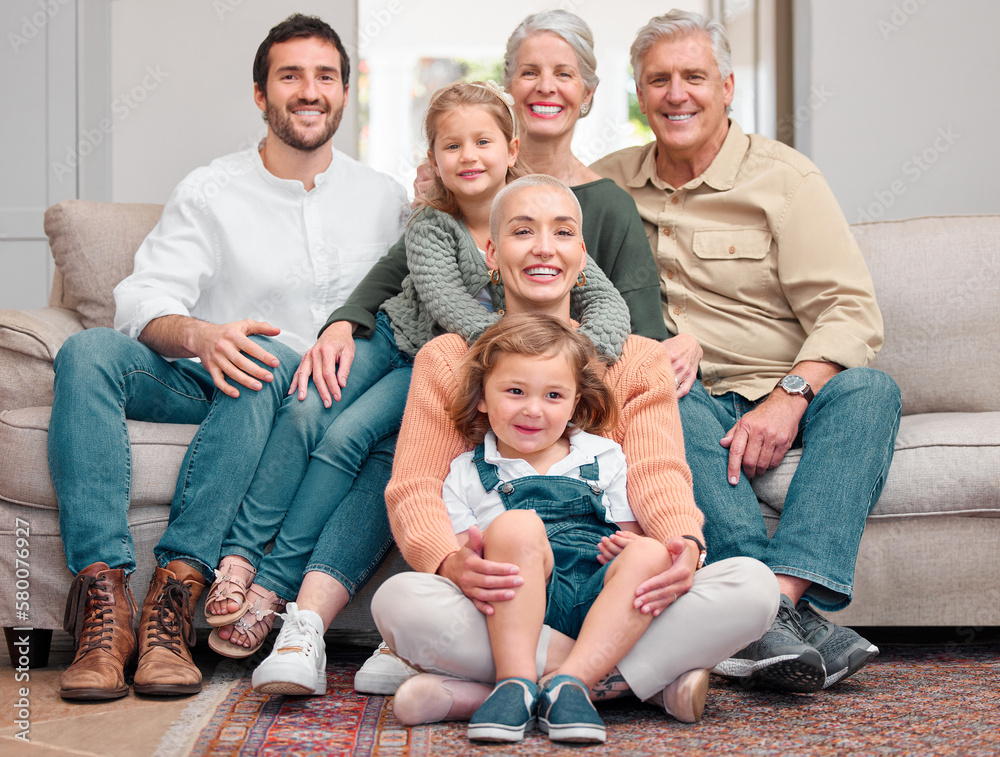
pixel 236 242
pixel 469 503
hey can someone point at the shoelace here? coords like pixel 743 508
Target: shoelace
pixel 790 618
pixel 295 633
pixel 90 600
pixel 811 624
pixel 170 622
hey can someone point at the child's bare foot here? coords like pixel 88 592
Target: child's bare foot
pixel 227 602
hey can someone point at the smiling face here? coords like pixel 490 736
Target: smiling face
pixel 305 95
pixel 539 250
pixel 471 154
pixel 684 98
pixel 547 86
pixel 529 400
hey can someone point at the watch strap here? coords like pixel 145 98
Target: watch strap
pixel 702 552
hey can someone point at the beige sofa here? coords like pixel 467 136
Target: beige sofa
pixel 929 554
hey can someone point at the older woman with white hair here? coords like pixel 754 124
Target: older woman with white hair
pixel 550 70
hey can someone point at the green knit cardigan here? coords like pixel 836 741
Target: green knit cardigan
pixel 447 271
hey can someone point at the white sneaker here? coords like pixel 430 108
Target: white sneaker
pixel 382 673
pixel 297 664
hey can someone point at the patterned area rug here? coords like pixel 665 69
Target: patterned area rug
pixel 927 700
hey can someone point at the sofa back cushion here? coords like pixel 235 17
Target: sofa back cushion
pixel 93 245
pixel 937 281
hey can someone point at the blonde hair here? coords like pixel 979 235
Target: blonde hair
pixel 534 335
pixel 498 210
pixel 447 99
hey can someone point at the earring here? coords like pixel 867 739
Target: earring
pixel 582 279
pixel 495 275
pixel 584 109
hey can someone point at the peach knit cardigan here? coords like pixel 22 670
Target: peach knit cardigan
pixel 659 480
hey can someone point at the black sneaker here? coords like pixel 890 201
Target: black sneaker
pixel 844 651
pixel 780 659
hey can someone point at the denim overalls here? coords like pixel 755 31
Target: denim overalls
pixel 573 514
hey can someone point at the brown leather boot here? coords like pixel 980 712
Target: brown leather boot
pixel 100 612
pixel 166 632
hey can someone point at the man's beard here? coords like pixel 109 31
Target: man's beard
pixel 280 121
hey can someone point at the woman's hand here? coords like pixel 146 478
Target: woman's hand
pixel 328 363
pixel 422 182
pixel 661 591
pixel 685 356
pixel 483 581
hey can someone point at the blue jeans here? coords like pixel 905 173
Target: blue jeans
pixel 357 536
pixel 847 437
pixel 103 378
pixel 311 461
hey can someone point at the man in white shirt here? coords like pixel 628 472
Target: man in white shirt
pixel 250 256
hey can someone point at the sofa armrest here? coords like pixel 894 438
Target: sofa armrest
pixel 29 341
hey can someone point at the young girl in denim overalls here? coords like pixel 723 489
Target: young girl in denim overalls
pixel 543 491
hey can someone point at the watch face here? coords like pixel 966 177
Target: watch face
pixel 794 384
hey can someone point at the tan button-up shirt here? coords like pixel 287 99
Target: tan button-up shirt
pixel 756 261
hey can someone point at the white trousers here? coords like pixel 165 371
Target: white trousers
pixel 432 625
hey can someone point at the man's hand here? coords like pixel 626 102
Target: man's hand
pixel 482 581
pixel 659 592
pixel 760 439
pixel 685 356
pixel 328 362
pixel 224 348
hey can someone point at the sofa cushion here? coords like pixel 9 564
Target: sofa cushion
pixel 937 280
pixel 157 452
pixel 93 244
pixel 944 464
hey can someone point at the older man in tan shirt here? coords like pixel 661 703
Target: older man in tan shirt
pixel 762 279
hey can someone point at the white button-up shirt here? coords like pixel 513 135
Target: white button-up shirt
pixel 236 242
pixel 469 503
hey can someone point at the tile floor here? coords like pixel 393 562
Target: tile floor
pixel 128 727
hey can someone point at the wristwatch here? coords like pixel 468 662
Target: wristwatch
pixel 702 553
pixel 797 385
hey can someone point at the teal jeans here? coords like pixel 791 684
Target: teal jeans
pixel 847 437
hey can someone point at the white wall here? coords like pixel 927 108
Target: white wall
pixel 182 84
pixel 896 103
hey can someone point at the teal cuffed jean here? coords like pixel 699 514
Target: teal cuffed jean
pixel 102 378
pixel 847 436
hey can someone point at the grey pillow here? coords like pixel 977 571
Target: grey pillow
pixel 93 245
